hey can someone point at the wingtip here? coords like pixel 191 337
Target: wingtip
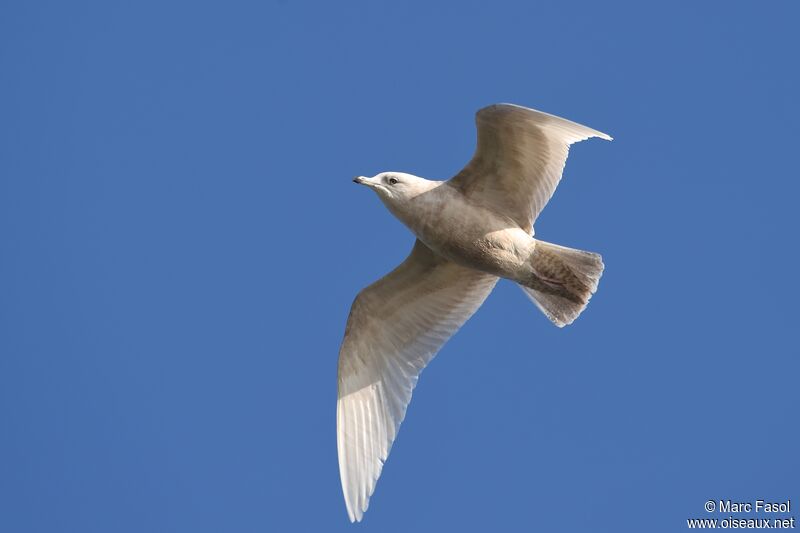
pixel 355 515
pixel 598 134
pixel 355 510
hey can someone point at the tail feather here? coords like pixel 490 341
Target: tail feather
pixel 562 281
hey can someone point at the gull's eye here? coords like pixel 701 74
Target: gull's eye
pixel 393 181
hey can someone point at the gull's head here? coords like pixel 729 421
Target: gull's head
pixel 396 188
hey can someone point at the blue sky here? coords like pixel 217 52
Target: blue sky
pixel 180 243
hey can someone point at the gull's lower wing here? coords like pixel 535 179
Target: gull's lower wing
pixel 519 159
pixel 396 326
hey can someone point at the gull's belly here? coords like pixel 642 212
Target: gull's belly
pixel 477 238
pixel 501 252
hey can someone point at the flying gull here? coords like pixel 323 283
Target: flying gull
pixel 471 230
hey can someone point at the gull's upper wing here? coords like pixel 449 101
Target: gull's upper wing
pixel 518 162
pixel 396 326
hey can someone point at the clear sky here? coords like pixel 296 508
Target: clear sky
pixel 180 242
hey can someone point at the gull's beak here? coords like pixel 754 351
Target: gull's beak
pixel 361 180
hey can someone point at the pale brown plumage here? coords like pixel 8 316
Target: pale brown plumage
pixel 470 231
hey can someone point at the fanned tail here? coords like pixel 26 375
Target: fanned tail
pixel 563 280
